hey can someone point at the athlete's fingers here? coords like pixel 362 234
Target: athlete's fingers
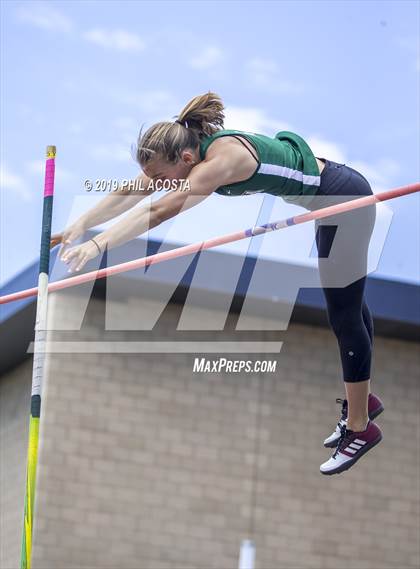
pixel 70 253
pixel 81 262
pixel 74 263
pixel 55 239
pixel 64 246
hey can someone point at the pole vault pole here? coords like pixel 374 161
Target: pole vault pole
pixel 217 241
pixel 39 358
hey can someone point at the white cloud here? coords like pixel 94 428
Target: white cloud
pixel 118 40
pixel 111 152
pixel 266 74
pixel 208 58
pixel 379 174
pixel 252 119
pixel 326 149
pixel 154 105
pixel 44 16
pixel 12 182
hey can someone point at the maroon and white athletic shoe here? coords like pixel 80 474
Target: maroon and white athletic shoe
pixel 351 446
pixel 375 407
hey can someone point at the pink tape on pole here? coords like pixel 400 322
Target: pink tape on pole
pixel 49 177
pixel 215 242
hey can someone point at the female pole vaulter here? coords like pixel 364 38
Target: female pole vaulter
pixel 197 149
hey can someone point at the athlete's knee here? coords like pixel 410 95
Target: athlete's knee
pixel 345 322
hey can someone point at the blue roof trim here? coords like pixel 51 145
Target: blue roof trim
pixel 389 300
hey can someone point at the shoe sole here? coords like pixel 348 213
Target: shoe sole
pixel 353 461
pixel 372 416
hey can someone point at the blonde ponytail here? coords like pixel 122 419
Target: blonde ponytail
pixel 201 117
pixel 204 113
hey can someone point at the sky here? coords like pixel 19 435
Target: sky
pixel 87 75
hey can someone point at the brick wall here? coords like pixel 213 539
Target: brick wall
pixel 15 396
pixel 144 464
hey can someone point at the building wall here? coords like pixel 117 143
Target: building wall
pixel 144 464
pixel 15 398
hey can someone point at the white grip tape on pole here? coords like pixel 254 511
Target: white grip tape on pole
pixel 40 335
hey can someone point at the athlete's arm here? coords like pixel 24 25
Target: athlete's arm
pixel 204 178
pixel 122 199
pixel 119 201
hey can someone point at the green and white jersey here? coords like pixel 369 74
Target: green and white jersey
pixel 287 167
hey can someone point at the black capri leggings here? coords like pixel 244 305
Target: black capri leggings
pixel 342 242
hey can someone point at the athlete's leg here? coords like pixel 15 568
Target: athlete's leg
pixel 348 313
pixel 351 321
pixel 368 320
pixel 357 397
pixel 359 392
pixel 344 312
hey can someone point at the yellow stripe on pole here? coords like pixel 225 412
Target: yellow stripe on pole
pixel 30 491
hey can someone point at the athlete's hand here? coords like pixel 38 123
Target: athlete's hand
pixel 67 237
pixel 78 256
pixel 56 239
